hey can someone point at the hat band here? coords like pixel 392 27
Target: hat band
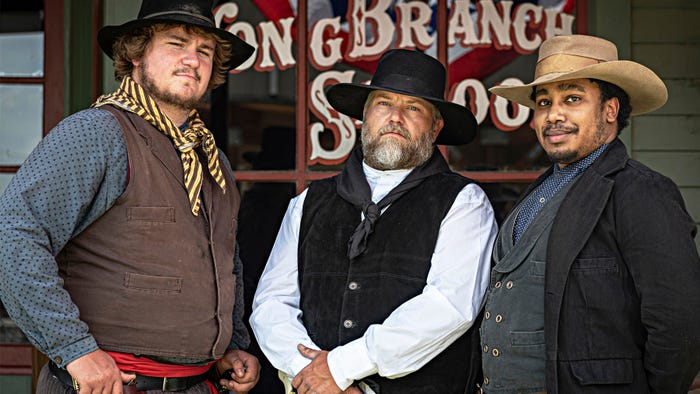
pixel 408 85
pixel 158 14
pixel 563 63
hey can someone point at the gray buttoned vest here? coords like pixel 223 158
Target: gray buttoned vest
pixel 512 332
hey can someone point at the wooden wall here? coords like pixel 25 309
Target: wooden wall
pixel 663 35
pixel 666 38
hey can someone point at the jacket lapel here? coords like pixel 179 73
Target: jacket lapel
pixel 577 217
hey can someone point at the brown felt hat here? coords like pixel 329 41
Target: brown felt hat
pixel 563 58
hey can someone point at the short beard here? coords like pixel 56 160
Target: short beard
pixel 390 153
pixel 567 157
pixel 165 98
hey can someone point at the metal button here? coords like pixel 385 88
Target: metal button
pixel 495 352
pixel 486 380
pixel 542 200
pixel 499 318
pixel 58 360
pixel 348 323
pixel 487 315
pixel 509 284
pixel 486 348
pixel 353 286
pixel 497 285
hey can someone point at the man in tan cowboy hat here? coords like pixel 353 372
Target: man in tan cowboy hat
pixel 594 287
pixel 376 279
pixel 118 255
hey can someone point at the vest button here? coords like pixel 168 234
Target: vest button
pixel 486 380
pixel 509 284
pixel 486 348
pixel 58 360
pixel 495 352
pixel 499 318
pixel 348 323
pixel 353 286
pixel 487 315
pixel 497 285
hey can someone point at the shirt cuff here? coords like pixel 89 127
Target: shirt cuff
pixel 62 356
pixel 297 363
pixel 350 362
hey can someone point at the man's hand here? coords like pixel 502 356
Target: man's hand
pixel 245 371
pixel 97 372
pixel 316 377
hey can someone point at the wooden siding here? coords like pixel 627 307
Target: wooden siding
pixel 664 37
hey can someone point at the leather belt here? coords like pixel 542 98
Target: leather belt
pixel 142 383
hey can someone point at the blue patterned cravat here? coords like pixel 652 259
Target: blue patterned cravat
pixel 547 189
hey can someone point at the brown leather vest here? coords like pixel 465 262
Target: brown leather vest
pixel 148 276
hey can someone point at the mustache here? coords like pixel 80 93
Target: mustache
pixel 394 128
pixel 186 71
pixel 556 128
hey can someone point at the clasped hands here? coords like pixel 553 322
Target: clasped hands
pixel 316 378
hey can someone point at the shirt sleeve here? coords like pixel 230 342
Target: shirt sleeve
pixel 276 316
pixel 656 236
pixel 70 179
pixel 241 337
pixel 445 310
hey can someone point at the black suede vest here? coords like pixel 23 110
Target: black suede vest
pixel 341 298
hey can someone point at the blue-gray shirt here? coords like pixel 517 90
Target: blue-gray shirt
pixel 549 187
pixel 72 177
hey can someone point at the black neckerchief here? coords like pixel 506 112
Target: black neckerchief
pixel 352 187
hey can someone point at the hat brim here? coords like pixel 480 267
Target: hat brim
pixel 645 89
pixel 459 123
pixel 240 50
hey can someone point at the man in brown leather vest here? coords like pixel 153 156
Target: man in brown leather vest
pixel 119 257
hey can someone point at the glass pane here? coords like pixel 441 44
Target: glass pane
pixel 262 208
pixel 27 51
pixel 9 332
pixel 4 181
pixel 503 197
pixel 21 115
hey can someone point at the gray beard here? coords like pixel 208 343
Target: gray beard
pixel 391 154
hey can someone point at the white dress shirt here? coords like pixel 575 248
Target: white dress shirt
pixel 416 331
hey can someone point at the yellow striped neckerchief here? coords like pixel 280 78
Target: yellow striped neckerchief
pixel 131 97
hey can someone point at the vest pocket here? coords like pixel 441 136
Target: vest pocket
pixel 526 338
pixel 150 214
pixel 151 283
pixel 613 371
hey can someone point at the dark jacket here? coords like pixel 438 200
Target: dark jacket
pixel 622 284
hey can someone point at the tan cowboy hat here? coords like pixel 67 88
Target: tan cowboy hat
pixel 569 57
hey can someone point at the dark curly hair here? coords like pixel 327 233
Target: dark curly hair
pixel 608 91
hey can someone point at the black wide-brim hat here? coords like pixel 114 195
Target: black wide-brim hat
pixel 184 12
pixel 411 73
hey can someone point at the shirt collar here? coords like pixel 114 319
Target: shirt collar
pixel 581 165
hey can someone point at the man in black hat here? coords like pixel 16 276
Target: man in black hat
pixel 378 274
pixel 119 258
